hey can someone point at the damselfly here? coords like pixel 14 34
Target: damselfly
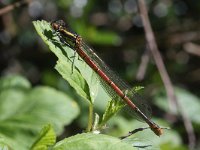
pixel 114 86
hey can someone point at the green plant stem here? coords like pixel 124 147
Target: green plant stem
pixel 90 117
pixel 101 124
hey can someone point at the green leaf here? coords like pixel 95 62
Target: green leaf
pixel 88 141
pixel 3 145
pixel 46 138
pixel 82 79
pixel 92 34
pixel 14 82
pixel 25 111
pixel 102 37
pixel 112 108
pixel 188 102
pixel 137 88
pixel 115 105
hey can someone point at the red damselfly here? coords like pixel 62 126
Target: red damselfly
pixel 114 86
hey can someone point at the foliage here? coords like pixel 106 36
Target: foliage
pixel 114 29
pixel 81 141
pixel 92 142
pixel 24 110
pixel 46 138
pixel 80 75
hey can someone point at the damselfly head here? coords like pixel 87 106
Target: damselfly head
pixel 61 26
pixel 57 24
pixel 54 26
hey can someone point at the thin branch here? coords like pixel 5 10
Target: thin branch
pixel 156 55
pixel 163 72
pixel 189 128
pixel 143 65
pixel 183 37
pixel 10 7
pixel 192 48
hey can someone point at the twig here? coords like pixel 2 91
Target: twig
pixel 192 48
pixel 189 128
pixel 156 55
pixel 143 66
pixel 10 7
pixel 183 37
pixel 164 75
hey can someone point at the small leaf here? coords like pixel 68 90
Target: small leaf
pixel 88 141
pixel 137 88
pixel 46 138
pixel 112 108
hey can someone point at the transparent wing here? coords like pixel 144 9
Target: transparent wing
pixel 137 99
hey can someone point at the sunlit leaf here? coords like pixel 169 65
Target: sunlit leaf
pixel 112 108
pixel 79 75
pixel 90 141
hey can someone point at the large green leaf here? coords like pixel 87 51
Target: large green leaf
pixel 89 141
pixel 25 110
pixel 79 75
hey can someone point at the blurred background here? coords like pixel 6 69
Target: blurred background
pixel 115 30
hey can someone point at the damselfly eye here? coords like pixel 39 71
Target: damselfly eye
pixel 55 26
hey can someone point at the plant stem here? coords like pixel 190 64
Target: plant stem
pixel 90 117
